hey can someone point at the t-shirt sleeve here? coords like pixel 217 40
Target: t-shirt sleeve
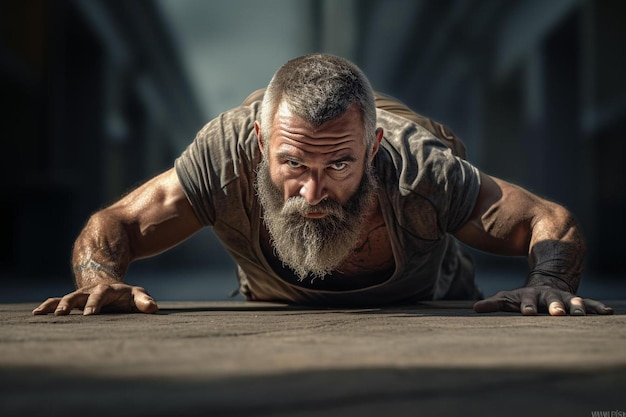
pixel 192 170
pixel 463 186
pixel 215 159
pixel 438 189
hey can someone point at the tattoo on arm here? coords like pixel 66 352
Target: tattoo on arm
pixel 94 266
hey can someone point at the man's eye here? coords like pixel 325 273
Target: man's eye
pixel 339 166
pixel 293 164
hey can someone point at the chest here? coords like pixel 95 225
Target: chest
pixel 373 253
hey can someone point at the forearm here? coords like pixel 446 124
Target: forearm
pixel 509 220
pixel 102 252
pixel 556 252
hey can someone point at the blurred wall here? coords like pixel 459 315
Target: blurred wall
pixel 99 96
pixel 94 102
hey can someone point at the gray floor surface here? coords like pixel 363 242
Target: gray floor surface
pixel 235 358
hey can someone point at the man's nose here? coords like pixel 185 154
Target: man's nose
pixel 314 189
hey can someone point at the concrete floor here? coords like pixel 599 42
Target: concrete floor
pixel 236 358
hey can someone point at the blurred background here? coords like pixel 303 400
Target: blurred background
pixel 100 95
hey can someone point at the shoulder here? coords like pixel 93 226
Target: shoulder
pixel 228 139
pixel 224 149
pixel 217 167
pixel 410 146
pixel 395 115
pixel 236 123
pixel 418 162
pixel 402 132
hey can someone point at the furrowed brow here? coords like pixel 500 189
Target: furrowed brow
pixel 348 158
pixel 287 155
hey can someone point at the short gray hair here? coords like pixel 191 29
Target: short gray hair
pixel 318 88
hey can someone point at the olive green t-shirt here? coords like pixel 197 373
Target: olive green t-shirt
pixel 425 193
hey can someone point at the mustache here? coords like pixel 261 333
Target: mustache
pixel 299 206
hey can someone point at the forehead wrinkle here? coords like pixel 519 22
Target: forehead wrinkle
pixel 321 145
pixel 310 150
pixel 291 134
pixel 305 134
pixel 291 125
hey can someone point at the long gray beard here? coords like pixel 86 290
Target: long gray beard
pixel 313 247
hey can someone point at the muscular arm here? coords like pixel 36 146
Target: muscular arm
pixel 147 221
pixel 509 220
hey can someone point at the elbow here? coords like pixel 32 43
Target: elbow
pixel 105 236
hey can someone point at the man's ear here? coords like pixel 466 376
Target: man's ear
pixel 257 130
pixel 379 137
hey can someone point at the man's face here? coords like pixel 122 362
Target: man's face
pixel 315 186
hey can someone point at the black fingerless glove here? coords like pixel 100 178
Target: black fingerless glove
pixel 556 264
